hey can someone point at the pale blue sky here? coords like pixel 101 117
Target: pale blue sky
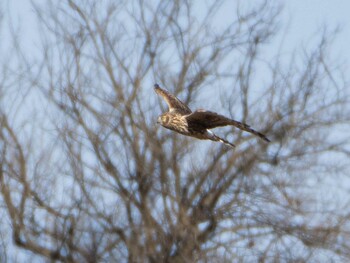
pixel 301 18
pixel 308 17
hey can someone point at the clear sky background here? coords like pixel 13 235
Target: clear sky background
pixel 304 19
pixel 301 21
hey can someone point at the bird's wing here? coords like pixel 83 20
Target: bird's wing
pixel 207 119
pixel 202 119
pixel 175 105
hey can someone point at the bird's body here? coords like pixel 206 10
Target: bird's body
pixel 178 123
pixel 196 124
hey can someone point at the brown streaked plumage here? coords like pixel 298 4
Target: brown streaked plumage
pixel 196 124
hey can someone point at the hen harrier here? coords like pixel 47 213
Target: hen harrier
pixel 196 124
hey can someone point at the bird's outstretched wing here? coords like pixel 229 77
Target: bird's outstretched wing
pixel 175 105
pixel 202 119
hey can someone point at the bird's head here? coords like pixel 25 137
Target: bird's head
pixel 163 120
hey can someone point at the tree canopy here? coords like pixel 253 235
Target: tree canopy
pixel 86 174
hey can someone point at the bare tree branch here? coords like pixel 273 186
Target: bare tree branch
pixel 86 175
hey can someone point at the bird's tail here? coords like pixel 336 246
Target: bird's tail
pixel 246 127
pixel 218 139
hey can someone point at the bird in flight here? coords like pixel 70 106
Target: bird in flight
pixel 196 124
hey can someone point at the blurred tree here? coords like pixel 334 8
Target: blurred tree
pixel 86 174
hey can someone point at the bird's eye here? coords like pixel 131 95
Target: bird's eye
pixel 164 119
